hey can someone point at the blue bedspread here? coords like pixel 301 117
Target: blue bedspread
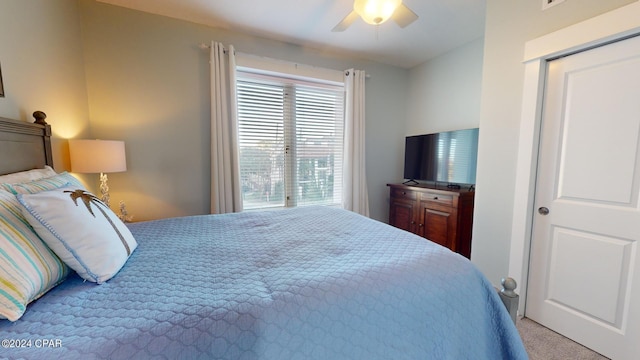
pixel 305 283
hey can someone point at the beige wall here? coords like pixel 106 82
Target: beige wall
pixel 148 84
pixel 509 24
pixel 42 68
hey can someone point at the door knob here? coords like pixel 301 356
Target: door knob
pixel 543 210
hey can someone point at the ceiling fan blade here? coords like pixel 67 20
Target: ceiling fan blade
pixel 346 22
pixel 403 16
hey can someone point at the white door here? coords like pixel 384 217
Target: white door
pixel 584 274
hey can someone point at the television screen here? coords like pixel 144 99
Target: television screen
pixel 449 157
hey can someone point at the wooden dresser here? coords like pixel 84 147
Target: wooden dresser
pixel 444 216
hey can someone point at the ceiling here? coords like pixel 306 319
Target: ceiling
pixel 442 25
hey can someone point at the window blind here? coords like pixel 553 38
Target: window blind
pixel 290 139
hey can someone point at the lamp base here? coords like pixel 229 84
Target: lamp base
pixel 104 189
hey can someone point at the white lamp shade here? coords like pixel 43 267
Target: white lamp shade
pixel 97 156
pixel 376 12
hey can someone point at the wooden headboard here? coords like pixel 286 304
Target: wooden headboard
pixel 23 145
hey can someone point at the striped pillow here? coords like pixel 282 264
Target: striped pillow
pixel 28 268
pixel 49 183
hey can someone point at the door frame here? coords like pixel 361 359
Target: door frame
pixel 606 28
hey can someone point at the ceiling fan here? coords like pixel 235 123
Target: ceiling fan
pixel 375 12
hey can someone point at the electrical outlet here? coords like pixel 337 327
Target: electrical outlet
pixel 549 3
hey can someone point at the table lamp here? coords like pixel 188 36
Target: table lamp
pixel 98 156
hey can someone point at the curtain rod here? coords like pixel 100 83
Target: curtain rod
pixel 204 46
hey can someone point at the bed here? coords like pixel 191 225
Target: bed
pixel 303 283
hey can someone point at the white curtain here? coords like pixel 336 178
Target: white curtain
pixel 225 169
pixel 355 195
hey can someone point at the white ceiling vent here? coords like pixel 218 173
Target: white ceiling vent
pixel 550 3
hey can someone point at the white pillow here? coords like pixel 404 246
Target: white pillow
pixel 27 176
pixel 81 230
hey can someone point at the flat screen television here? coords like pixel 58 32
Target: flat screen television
pixel 450 157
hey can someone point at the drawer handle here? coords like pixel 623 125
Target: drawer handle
pixel 435 198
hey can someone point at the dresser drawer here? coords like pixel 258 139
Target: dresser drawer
pixel 443 199
pixel 403 194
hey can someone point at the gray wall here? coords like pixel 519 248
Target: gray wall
pixel 444 93
pixel 148 84
pixel 509 25
pixel 42 68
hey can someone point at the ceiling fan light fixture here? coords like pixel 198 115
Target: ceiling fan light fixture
pixel 375 12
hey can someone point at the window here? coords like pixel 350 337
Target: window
pixel 290 141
